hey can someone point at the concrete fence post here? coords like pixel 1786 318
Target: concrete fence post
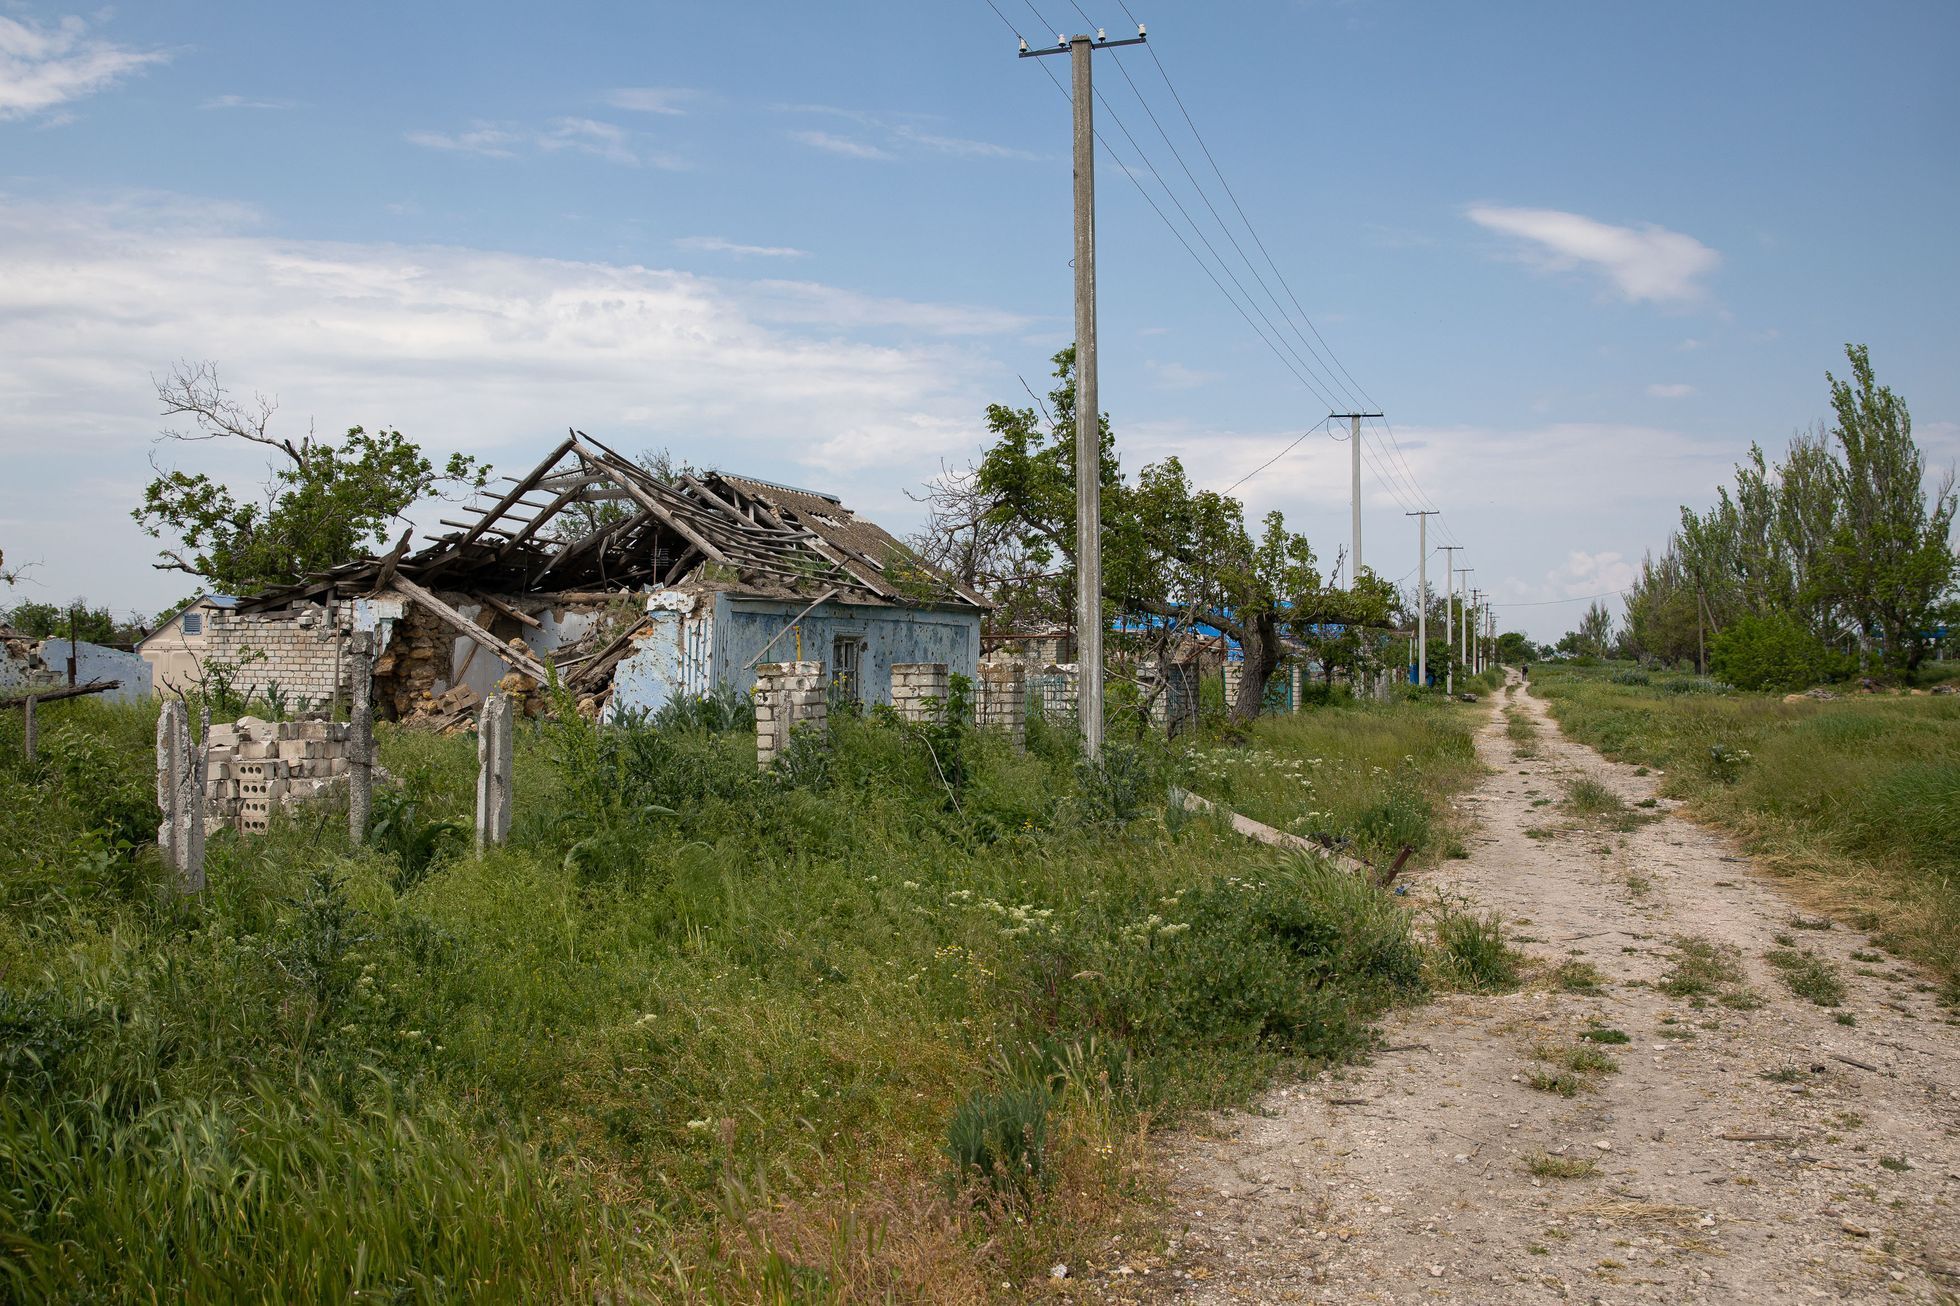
pixel 28 728
pixel 360 736
pixel 170 759
pixel 919 690
pixel 788 696
pixel 180 795
pixel 493 763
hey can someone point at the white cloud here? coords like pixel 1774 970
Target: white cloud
pixel 651 99
pixel 602 140
pixel 721 245
pixel 960 145
pixel 848 146
pixel 808 303
pixel 43 67
pixel 1669 390
pixel 244 102
pixel 491 352
pixel 1583 575
pixel 1643 263
pixel 1176 376
pixel 493 140
pixel 898 131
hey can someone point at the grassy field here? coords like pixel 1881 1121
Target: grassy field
pixel 1856 800
pixel 894 1022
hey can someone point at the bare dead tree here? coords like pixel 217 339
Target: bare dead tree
pixel 193 390
pixel 965 536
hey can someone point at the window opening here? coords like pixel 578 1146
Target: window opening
pixel 846 659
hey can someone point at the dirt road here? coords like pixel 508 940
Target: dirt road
pixel 1748 1145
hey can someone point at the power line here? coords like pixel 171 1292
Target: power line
pixel 1240 209
pixel 1324 373
pixel 1546 603
pixel 1275 458
pixel 1387 461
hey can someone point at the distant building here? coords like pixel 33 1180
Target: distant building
pixel 176 650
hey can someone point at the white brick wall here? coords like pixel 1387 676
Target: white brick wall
pixel 788 697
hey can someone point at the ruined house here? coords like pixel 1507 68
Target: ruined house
pixel 633 588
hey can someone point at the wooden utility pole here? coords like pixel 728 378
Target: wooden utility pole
pixel 1422 594
pixel 1354 491
pixel 1088 413
pixel 1449 614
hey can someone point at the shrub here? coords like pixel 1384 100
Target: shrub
pixel 1767 653
pixel 1002 1138
pixel 1474 956
pixel 1293 959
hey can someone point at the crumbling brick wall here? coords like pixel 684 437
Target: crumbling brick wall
pixel 416 659
pixel 919 689
pixel 1001 700
pixel 253 766
pixel 788 696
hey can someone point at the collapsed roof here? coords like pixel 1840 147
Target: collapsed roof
pixel 588 519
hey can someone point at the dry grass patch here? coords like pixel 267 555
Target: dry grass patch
pixel 1544 1165
pixel 1707 971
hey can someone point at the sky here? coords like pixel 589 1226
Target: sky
pixel 1581 256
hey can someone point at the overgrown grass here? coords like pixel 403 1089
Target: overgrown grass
pixel 889 1025
pixel 1472 954
pixel 1856 800
pixel 1522 729
pixel 1364 774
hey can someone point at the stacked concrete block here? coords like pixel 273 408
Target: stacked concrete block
pixel 1234 677
pixel 1002 700
pixel 1296 674
pixel 254 767
pixel 789 696
pixel 919 690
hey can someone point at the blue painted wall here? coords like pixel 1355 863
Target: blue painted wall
pixel 744 625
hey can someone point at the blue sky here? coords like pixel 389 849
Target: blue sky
pixel 1582 255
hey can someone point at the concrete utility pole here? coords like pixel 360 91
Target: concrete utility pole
pixel 1472 620
pixel 1088 413
pixel 1422 593
pixel 1465 637
pixel 1354 460
pixel 1449 614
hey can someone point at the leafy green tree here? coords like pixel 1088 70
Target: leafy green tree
pixel 1515 648
pixel 1771 652
pixel 1890 561
pixel 1172 553
pixel 1662 610
pixel 1594 635
pixel 323 502
pixel 93 625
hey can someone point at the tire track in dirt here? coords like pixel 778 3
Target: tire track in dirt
pixel 1766 1154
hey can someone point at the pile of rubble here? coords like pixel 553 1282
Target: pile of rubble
pixel 253 766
